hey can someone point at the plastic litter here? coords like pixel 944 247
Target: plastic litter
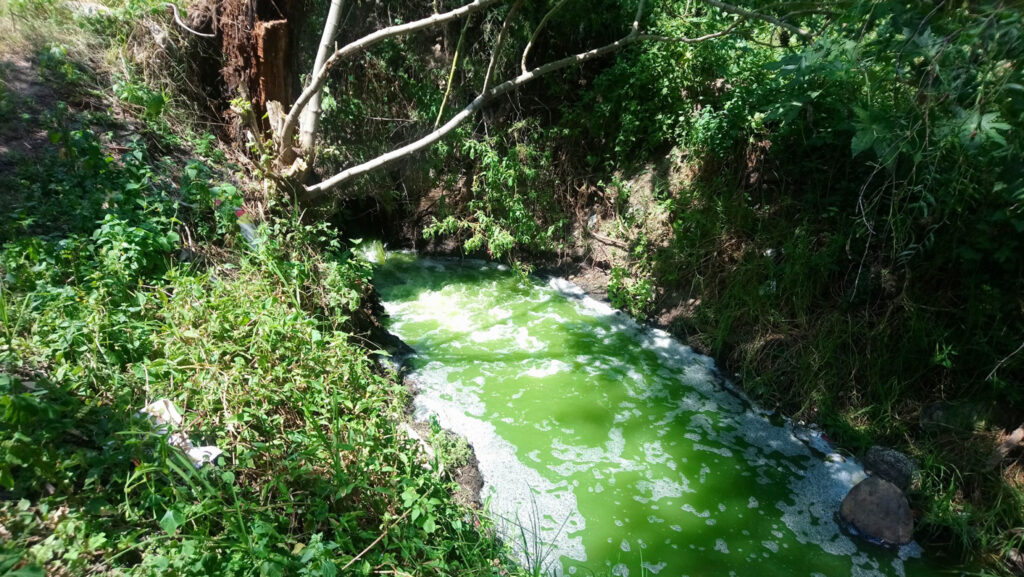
pixel 164 415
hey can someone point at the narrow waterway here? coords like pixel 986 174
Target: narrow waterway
pixel 611 449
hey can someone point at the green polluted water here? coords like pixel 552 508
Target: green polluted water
pixel 608 448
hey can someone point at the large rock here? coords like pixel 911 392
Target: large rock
pixel 891 465
pixel 879 511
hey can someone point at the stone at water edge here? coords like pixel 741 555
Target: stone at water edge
pixel 879 511
pixel 891 465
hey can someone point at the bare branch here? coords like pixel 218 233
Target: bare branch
pixel 1003 362
pixel 320 76
pixel 660 38
pixel 451 75
pixel 536 33
pixel 177 18
pixel 315 191
pixel 498 43
pixel 763 17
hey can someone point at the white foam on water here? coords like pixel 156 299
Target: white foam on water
pixel 720 419
pixel 493 333
pixel 548 368
pixel 691 509
pixel 665 488
pixel 520 496
pixel 721 546
pixel 723 451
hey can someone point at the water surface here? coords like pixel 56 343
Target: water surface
pixel 611 449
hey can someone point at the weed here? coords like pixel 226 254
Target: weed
pixel 100 318
pixel 452 450
pixel 631 292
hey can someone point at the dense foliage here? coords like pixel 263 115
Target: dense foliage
pixel 843 217
pixel 124 278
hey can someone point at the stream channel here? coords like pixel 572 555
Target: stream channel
pixel 609 448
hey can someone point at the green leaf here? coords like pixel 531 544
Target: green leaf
pixel 862 141
pixel 429 526
pixel 27 571
pixel 171 520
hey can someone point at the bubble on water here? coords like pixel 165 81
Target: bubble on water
pixel 653 568
pixel 771 546
pixel 526 342
pixel 704 470
pixel 620 570
pixel 721 546
pixel 624 546
pixel 664 488
pixel 690 509
pixel 752 503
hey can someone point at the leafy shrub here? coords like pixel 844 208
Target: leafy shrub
pixel 512 209
pixel 631 293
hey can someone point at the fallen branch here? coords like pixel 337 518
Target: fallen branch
pixel 487 94
pixel 320 76
pixel 375 541
pixel 1003 362
pixel 315 191
pixel 309 120
pixel 763 17
pixel 536 33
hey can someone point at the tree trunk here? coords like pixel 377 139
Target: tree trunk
pixel 255 48
pixel 310 119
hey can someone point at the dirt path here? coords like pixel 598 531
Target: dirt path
pixel 25 97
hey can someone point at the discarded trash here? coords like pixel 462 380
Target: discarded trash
pixel 164 414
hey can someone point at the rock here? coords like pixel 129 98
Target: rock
pixel 1015 561
pixel 877 510
pixel 891 465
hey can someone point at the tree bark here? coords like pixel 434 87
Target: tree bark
pixel 309 122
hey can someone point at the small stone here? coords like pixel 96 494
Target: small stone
pixel 1015 560
pixel 891 465
pixel 879 511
